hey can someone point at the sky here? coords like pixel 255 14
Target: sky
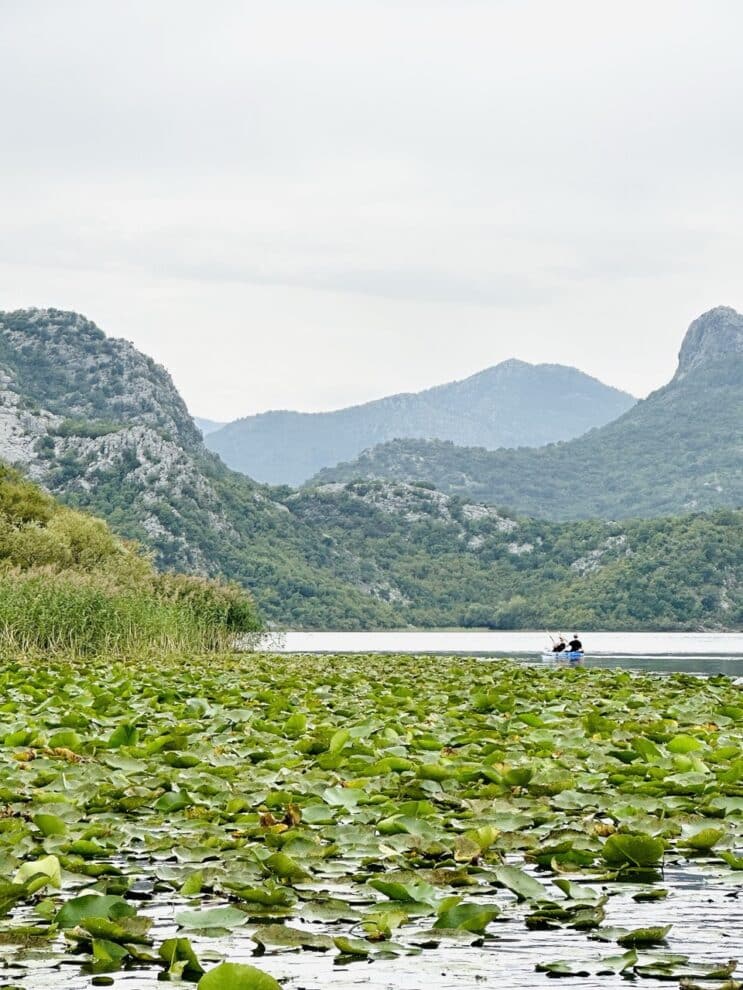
pixel 308 205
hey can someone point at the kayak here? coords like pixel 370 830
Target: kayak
pixel 574 656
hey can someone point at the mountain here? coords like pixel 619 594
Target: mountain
pixel 680 450
pixel 103 428
pixel 207 426
pixel 513 404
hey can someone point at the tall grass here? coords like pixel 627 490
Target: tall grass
pixel 67 584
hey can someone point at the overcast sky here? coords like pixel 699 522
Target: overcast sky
pixel 301 204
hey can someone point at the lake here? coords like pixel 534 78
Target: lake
pixel 696 653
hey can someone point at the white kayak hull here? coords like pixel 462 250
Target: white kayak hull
pixel 572 656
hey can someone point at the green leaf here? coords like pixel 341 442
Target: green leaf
pixel 127 930
pixel 574 890
pixel 93 906
pixel 684 744
pixel 295 726
pixel 635 849
pixel 525 887
pixel 406 893
pixel 290 938
pixel 733 861
pixel 286 868
pixel 353 946
pixel 192 884
pixel 125 734
pixel 180 958
pixel 223 917
pixel 173 801
pixel 705 839
pixel 641 937
pixel 66 739
pixel 467 917
pixel 338 740
pixel 40 873
pixel 110 953
pixel 50 824
pixel 236 976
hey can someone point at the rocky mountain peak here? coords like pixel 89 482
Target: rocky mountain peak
pixel 713 336
pixel 63 363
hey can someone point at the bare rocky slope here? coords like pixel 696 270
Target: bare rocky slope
pixel 513 404
pixel 103 427
pixel 680 450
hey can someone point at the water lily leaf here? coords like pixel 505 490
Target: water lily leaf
pixel 466 850
pixel 268 896
pixel 108 953
pixel 575 890
pixel 125 734
pixel 733 861
pixel 291 938
pixel 341 797
pixel 616 964
pixel 235 976
pixel 379 923
pixel 683 969
pixel 192 884
pixel 407 893
pixel 127 930
pixel 525 887
pixel 50 824
pixel 683 743
pixel 653 894
pixel 338 740
pixel 563 967
pixel 283 866
pixel 635 849
pixel 466 917
pixel 107 906
pixel 295 726
pixel 647 749
pixel 705 839
pixel 39 873
pixel 518 776
pixel 173 801
pixel 180 958
pixel 10 893
pixel 222 917
pixel 353 946
pixel 641 937
pixel 605 966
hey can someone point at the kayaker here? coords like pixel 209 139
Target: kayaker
pixel 558 646
pixel 575 645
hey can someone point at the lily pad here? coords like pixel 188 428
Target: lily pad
pixel 236 976
pixel 222 917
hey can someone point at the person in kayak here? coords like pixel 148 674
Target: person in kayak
pixel 558 646
pixel 575 645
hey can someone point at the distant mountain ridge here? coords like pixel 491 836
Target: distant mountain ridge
pixel 512 404
pixel 207 426
pixel 679 450
pixel 103 427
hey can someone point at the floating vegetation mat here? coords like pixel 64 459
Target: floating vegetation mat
pixel 378 821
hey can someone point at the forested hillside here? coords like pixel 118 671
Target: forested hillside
pixel 510 405
pixel 368 555
pixel 680 450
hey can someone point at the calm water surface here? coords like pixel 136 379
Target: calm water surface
pixel 699 653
